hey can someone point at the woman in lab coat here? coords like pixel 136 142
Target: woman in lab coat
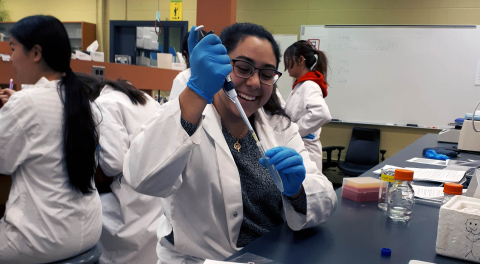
pixel 130 219
pixel 197 154
pixel 306 104
pixel 48 143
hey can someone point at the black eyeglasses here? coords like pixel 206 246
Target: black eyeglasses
pixel 246 70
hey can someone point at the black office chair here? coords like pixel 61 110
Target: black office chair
pixel 329 163
pixel 362 153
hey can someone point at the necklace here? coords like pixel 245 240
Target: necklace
pixel 237 145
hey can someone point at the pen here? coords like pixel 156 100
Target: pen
pixel 11 84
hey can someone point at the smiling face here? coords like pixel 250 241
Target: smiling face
pixel 473 226
pixel 251 92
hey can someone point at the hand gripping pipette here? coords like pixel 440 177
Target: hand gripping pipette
pixel 229 90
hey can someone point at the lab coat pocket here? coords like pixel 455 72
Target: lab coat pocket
pixel 112 214
pixel 15 207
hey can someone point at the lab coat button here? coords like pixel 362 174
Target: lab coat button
pixel 235 214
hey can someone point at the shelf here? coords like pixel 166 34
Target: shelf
pixel 156 51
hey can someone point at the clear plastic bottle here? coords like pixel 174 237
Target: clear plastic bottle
pixel 451 190
pixel 387 179
pixel 401 196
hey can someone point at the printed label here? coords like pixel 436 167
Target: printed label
pixel 388 178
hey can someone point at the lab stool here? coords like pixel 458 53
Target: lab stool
pixel 90 256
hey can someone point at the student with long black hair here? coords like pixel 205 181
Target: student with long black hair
pixel 130 219
pixel 198 155
pixel 48 143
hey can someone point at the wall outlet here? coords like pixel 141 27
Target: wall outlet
pixel 98 71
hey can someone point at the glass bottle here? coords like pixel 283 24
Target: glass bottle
pixel 401 196
pixel 387 179
pixel 450 190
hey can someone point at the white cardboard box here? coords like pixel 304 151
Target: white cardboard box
pixel 153 45
pixel 82 56
pixel 164 60
pixel 98 56
pixel 139 32
pixel 140 42
pixel 147 42
pixel 458 234
pixel 146 32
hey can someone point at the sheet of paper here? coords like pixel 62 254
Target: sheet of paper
pixel 429 161
pixel 437 175
pixel 427 192
pixel 377 172
pixel 5 57
pixel 419 262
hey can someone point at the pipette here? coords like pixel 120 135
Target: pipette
pixel 229 90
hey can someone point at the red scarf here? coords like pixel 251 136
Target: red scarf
pixel 316 77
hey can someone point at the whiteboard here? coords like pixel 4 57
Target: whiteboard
pixel 397 75
pixel 284 84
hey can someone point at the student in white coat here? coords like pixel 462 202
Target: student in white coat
pixel 306 104
pixel 48 143
pixel 130 219
pixel 197 154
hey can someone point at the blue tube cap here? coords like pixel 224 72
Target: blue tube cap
pixel 386 252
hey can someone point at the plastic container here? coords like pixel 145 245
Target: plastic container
pixel 362 189
pixel 468 116
pixel 450 190
pixel 458 232
pixel 387 180
pixel 401 196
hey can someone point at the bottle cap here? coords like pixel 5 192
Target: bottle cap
pixel 453 188
pixel 403 175
pixel 386 252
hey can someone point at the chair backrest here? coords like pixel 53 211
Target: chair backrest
pixel 364 146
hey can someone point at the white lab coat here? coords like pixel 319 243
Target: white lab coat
pixel 199 181
pixel 307 108
pixel 45 220
pixel 130 219
pixel 180 83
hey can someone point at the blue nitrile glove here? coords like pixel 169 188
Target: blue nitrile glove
pixel 192 39
pixel 431 154
pixel 210 65
pixel 289 165
pixel 309 136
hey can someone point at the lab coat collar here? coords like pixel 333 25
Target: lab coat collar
pixel 212 123
pixel 106 89
pixel 43 82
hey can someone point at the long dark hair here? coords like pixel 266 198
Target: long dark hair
pixel 95 85
pixel 236 33
pixel 80 139
pixel 305 49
